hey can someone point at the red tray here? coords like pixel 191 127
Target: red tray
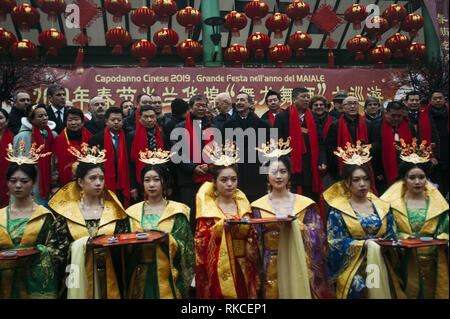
pixel 20 253
pixel 261 220
pixel 412 243
pixel 154 236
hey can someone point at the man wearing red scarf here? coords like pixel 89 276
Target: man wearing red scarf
pixel 438 111
pixel 382 136
pixel 119 173
pixel 298 122
pixel 192 172
pixel 129 123
pixel 273 102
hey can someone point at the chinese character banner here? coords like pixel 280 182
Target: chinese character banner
pixel 117 84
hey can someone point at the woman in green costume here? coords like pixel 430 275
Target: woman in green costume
pixel 25 225
pixel 420 211
pixel 163 270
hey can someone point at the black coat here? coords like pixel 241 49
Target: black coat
pixel 440 118
pixel 95 126
pixel 15 120
pixel 129 123
pixel 98 140
pixel 251 181
pixel 52 117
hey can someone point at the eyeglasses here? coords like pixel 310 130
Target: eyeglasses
pixel 352 103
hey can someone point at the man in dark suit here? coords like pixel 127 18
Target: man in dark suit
pixel 111 139
pixel 57 110
pixel 273 102
pixel 21 100
pixel 251 182
pixel 225 108
pixel 129 124
pixel 97 105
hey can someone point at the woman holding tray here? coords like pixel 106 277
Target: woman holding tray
pixel 226 254
pixel 164 270
pixel 84 209
pixel 356 220
pixel 293 260
pixel 24 225
pixel 420 211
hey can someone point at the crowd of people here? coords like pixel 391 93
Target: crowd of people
pixel 298 216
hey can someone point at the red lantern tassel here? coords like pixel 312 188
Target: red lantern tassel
pixel 167 50
pixel 359 56
pixel 52 17
pixel 357 25
pixel 259 54
pixel 300 52
pixel 278 34
pixel 164 19
pixel 235 33
pixel 380 65
pixel 143 61
pixel 117 19
pixel 117 50
pixel 52 51
pixel 298 22
pixel 189 29
pixel 331 59
pixel 398 54
pixel 257 21
pixel 143 29
pixel 189 61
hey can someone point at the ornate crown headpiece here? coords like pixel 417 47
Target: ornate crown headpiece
pixel 273 149
pixel 352 155
pixel 88 155
pixel 225 155
pixel 19 155
pixel 415 153
pixel 155 157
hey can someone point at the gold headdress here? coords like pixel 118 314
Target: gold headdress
pixel 415 153
pixel 273 149
pixel 21 158
pixel 88 155
pixel 225 155
pixel 352 155
pixel 155 157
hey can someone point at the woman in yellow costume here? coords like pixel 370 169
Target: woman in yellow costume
pixel 25 225
pixel 226 255
pixel 356 220
pixel 420 211
pixel 164 270
pixel 292 253
pixel 84 209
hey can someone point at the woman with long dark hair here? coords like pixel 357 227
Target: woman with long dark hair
pixel 6 138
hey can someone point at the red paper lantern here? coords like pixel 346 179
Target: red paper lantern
pixel 117 8
pixel 118 38
pixel 298 10
pixel 165 9
pixel 237 54
pixel 416 52
pixel 189 50
pixel 143 50
pixel 235 21
pixel 279 54
pixel 52 40
pixel 376 27
pixel 256 10
pixel 166 38
pixel 379 55
pixel 189 18
pixel 5 7
pixel 277 23
pixel 412 23
pixel 397 43
pixel 7 39
pixel 395 14
pixel 53 8
pixel 358 45
pixel 258 42
pixel 25 15
pixel 143 18
pixel 24 50
pixel 355 15
pixel 298 42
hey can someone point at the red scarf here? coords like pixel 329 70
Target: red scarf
pixel 140 143
pixel 344 135
pixel 272 117
pixel 194 148
pixel 123 179
pixel 298 146
pixel 389 152
pixel 7 138
pixel 44 162
pixel 327 127
pixel 66 159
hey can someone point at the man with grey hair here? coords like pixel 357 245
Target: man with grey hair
pixel 225 108
pixel 372 109
pixel 57 110
pixel 21 100
pixel 97 105
pixel 251 182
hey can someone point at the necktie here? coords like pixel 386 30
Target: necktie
pixel 59 118
pixel 116 142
